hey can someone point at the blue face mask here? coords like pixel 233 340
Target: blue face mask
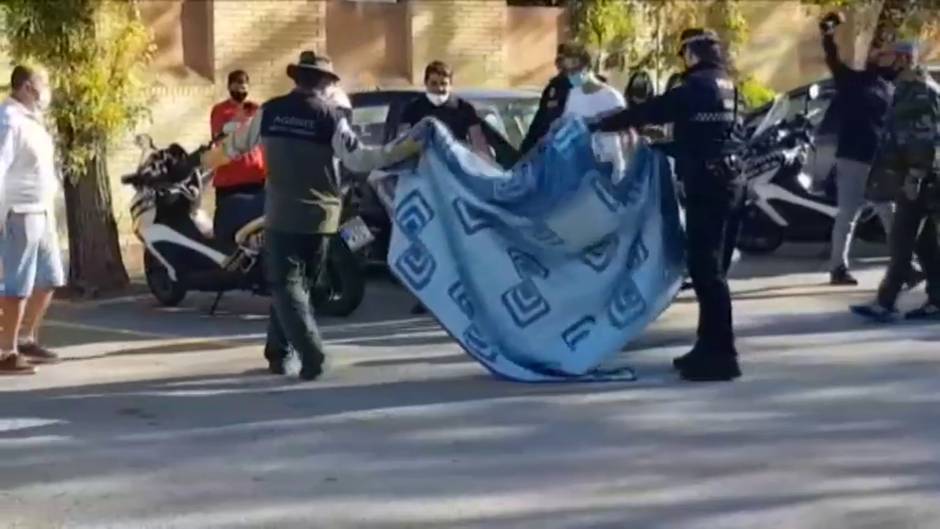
pixel 578 78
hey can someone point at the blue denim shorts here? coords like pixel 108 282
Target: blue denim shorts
pixel 29 250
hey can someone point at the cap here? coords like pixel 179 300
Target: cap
pixel 691 35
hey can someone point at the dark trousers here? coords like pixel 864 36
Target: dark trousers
pixel 292 264
pixel 712 224
pixel 914 232
pixel 232 212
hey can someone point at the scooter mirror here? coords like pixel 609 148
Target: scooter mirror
pixel 813 92
pixel 143 141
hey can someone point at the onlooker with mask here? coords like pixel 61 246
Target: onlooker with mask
pixel 239 185
pixel 912 154
pixel 302 133
pixel 29 247
pixel 589 96
pixel 458 115
pixel 864 97
pixel 551 104
pixel 440 102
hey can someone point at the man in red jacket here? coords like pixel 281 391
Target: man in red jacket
pixel 239 185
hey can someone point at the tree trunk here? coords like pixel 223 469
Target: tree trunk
pixel 95 264
pixel 890 19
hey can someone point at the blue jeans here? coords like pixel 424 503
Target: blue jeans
pixel 292 263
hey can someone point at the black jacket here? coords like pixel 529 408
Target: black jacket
pixel 863 99
pixel 703 113
pixel 551 107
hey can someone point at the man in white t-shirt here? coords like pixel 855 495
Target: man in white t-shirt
pixel 591 98
pixel 29 249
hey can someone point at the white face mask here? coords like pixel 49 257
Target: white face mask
pixel 45 98
pixel 437 99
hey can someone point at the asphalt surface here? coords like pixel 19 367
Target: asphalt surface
pixel 162 418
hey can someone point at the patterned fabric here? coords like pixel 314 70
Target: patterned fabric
pixel 544 272
pixel 914 122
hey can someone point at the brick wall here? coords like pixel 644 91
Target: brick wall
pixel 259 36
pixel 468 34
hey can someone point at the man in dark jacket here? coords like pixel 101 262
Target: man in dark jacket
pixel 912 154
pixel 702 110
pixel 552 103
pixel 301 133
pixel 864 97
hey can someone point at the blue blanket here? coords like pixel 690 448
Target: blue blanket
pixel 544 272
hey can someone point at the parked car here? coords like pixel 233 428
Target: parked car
pixel 376 117
pixel 821 162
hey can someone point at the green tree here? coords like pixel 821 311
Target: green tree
pixel 895 18
pixel 644 34
pixel 606 26
pixel 95 51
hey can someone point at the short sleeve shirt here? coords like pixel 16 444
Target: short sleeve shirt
pixel 457 114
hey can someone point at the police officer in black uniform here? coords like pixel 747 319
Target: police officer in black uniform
pixel 703 110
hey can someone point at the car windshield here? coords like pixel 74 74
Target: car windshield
pixel 510 117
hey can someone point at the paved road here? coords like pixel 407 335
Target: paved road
pixel 161 419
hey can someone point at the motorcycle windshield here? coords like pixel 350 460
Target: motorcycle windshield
pixel 778 112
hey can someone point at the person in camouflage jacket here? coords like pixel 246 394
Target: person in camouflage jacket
pixel 911 157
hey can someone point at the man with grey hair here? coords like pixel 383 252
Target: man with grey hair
pixel 911 156
pixel 29 249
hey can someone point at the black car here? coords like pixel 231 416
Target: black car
pixel 376 118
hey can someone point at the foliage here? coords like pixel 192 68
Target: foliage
pixel 95 51
pixel 605 26
pixel 644 34
pixel 754 93
pixel 896 18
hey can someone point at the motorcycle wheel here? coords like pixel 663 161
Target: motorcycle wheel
pixel 342 286
pixel 759 235
pixel 168 292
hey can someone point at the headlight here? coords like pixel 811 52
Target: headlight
pixel 805 180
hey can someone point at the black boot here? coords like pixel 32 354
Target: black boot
pixel 679 362
pixel 710 369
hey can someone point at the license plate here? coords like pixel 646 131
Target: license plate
pixel 355 233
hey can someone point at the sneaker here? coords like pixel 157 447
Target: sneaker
pixel 38 354
pixel 929 311
pixel 14 364
pixel 711 370
pixel 276 368
pixel 841 277
pixel 313 370
pixel 877 312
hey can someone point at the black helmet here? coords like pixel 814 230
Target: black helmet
pixel 691 35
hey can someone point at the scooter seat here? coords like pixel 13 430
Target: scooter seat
pixel 248 229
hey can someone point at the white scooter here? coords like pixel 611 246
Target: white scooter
pixel 181 253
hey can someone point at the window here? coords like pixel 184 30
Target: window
pixel 368 122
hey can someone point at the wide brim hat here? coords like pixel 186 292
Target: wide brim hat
pixel 309 61
pixel 692 35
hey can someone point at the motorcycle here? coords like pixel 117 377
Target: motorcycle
pixel 781 202
pixel 181 253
